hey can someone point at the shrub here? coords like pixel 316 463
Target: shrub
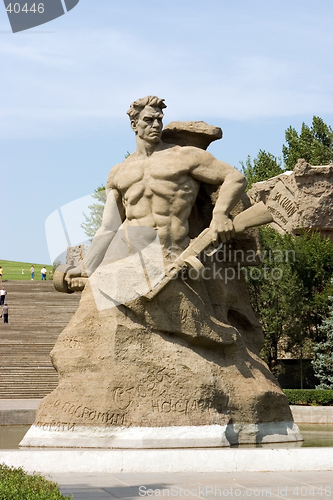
pixel 15 484
pixel 309 397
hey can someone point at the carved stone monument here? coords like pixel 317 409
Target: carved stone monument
pixel 163 350
pixel 301 199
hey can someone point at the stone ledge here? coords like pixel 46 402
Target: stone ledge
pixel 177 460
pixel 18 411
pixel 17 417
pixel 312 414
pixel 205 436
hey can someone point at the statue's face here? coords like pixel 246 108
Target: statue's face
pixel 149 125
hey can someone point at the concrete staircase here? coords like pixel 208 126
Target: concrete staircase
pixel 38 314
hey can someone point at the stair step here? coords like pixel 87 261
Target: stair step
pixel 38 315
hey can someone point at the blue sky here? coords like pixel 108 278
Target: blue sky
pixel 252 67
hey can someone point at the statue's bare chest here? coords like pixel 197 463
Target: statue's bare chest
pixel 160 174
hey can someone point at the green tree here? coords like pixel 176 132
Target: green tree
pixel 314 144
pixel 275 293
pixel 93 221
pixel 264 166
pixel 289 291
pixel 323 362
pixel 313 265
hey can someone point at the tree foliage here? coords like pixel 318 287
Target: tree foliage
pixel 292 307
pixel 323 362
pixel 289 291
pixel 264 166
pixel 314 144
pixel 93 220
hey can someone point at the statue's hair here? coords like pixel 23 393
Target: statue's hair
pixel 138 105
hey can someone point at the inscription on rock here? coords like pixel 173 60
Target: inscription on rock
pixel 110 417
pixel 186 406
pixel 56 426
pixel 285 202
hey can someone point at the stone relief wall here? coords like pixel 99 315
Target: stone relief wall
pixel 299 200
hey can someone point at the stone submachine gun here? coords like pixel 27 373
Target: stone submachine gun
pixel 256 215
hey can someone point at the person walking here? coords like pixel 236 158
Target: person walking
pixel 32 270
pixel 3 294
pixel 5 313
pixel 43 271
pixel 1 273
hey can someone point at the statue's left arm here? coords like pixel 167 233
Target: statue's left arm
pixel 207 168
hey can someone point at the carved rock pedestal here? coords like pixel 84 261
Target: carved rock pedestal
pixel 144 375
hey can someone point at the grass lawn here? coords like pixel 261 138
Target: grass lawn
pixel 13 270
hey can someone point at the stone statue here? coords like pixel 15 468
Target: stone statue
pixel 154 362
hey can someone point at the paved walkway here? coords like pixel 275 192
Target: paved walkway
pixel 19 404
pixel 287 485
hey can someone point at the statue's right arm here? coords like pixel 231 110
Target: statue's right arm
pixel 113 216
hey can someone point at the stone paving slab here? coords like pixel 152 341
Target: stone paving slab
pixel 290 485
pixel 86 461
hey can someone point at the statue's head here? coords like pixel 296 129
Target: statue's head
pixel 146 118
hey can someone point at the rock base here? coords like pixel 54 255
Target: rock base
pixel 168 373
pixel 205 436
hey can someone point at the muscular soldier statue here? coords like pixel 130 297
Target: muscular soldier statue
pixel 182 369
pixel 157 186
